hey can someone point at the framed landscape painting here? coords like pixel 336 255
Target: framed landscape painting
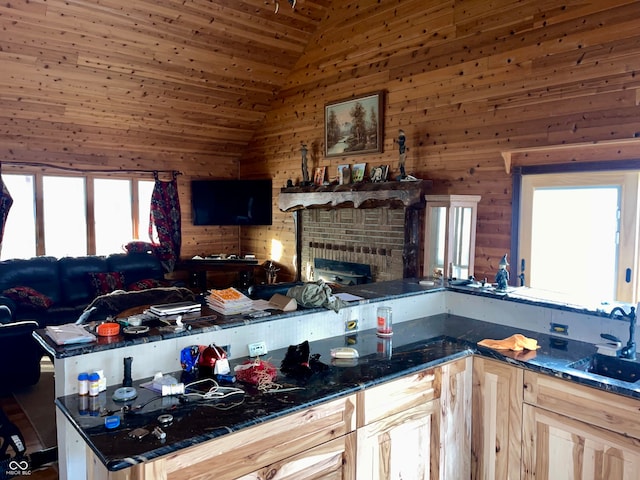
pixel 354 126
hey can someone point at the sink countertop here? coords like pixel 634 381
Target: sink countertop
pixel 415 345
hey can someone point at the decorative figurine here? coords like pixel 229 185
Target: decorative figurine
pixel 502 277
pixel 402 150
pixel 305 170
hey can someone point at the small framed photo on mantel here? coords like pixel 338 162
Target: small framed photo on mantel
pixel 379 174
pixel 318 175
pixel 357 172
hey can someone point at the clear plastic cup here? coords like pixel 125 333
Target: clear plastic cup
pixel 385 322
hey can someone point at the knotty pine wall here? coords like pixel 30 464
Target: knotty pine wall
pixel 465 80
pixel 223 89
pixel 147 84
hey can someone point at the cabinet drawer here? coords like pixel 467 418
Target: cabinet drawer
pixel 398 395
pixel 590 405
pixel 250 449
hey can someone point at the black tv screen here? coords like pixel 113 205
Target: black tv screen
pixel 231 202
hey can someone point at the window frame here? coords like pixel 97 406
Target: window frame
pixel 89 177
pixel 630 291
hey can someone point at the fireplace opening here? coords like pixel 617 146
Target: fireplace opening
pixel 342 273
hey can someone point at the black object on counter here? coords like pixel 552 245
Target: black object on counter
pixel 127 381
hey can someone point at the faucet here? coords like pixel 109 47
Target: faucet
pixel 628 351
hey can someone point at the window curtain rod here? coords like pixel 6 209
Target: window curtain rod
pixel 155 173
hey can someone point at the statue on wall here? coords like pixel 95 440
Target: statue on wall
pixel 402 150
pixel 305 169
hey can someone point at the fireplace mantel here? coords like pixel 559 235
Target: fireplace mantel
pixel 396 195
pixel 356 195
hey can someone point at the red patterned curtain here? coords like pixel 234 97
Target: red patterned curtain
pixel 165 221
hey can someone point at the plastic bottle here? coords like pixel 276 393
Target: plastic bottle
pixel 94 384
pixel 83 383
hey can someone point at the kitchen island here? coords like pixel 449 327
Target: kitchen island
pixel 419 344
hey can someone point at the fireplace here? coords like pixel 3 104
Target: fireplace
pixel 341 272
pixel 372 224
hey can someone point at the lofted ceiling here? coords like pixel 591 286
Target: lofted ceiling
pixel 88 82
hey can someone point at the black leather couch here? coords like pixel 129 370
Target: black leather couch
pixel 67 285
pixel 66 282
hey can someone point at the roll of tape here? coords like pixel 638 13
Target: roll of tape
pixel 108 329
pixel 124 394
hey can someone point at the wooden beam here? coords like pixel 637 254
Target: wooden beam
pixel 623 149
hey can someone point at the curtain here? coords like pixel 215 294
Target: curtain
pixel 5 205
pixel 165 221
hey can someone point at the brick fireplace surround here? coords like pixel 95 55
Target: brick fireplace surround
pixel 378 224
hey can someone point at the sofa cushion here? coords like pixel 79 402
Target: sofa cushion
pixel 135 266
pixel 76 287
pixel 28 297
pixel 106 282
pixel 138 246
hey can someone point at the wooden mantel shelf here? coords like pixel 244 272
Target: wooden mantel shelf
pixel 356 195
pixel 622 149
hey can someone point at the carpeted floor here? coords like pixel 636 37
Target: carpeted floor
pixel 37 402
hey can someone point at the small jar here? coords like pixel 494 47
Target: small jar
pixel 94 384
pixel 385 323
pixel 83 384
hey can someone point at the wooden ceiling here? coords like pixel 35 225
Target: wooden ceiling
pixel 154 81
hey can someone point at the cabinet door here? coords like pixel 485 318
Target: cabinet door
pixel 400 446
pixel 561 448
pixel 497 418
pixel 334 460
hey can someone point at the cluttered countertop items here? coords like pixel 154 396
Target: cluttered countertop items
pixel 147 425
pixel 216 310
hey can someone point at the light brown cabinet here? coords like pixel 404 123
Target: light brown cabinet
pixel 532 426
pixel 496 440
pixel 417 427
pixel 574 432
pixel 333 460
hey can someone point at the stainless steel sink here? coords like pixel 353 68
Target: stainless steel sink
pixel 611 367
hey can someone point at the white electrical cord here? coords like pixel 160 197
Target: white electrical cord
pixel 216 392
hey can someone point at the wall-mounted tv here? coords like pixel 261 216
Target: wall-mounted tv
pixel 231 202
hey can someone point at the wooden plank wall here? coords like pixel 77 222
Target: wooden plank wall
pixel 465 80
pixel 229 88
pixel 144 84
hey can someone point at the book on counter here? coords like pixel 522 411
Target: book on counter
pixel 69 333
pixel 175 308
pixel 228 301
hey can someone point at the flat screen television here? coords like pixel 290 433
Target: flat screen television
pixel 231 202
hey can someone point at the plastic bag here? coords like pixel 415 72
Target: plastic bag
pixel 316 294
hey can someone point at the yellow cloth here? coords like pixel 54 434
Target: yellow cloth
pixel 516 342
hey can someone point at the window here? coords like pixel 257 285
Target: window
pixel 19 240
pixel 578 234
pixel 74 215
pixel 112 212
pixel 65 218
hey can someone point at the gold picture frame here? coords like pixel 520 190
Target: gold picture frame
pixel 354 126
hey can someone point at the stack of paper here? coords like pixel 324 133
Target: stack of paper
pixel 229 301
pixel 175 308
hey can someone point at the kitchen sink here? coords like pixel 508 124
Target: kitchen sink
pixel 611 367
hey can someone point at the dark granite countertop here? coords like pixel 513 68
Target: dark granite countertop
pixel 208 320
pixel 415 345
pixel 539 298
